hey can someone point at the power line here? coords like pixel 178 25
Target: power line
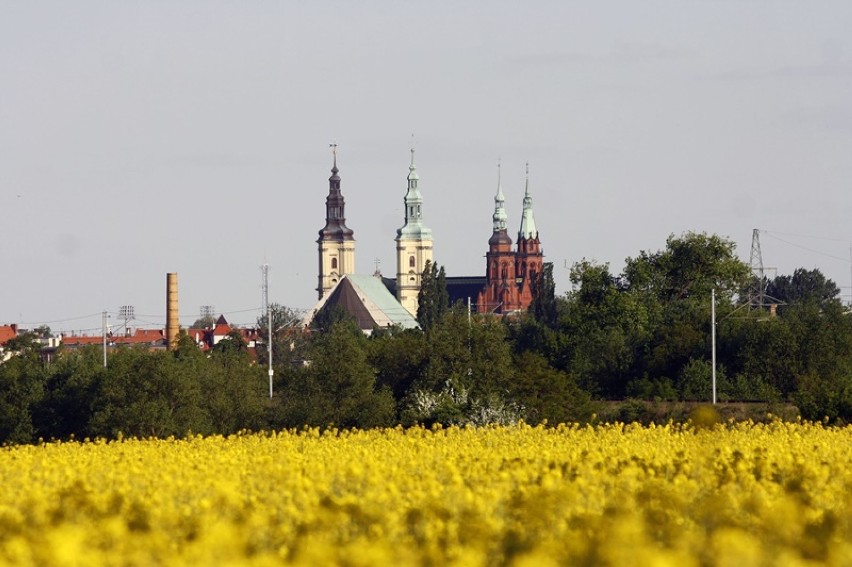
pixel 806 236
pixel 846 260
pixel 38 323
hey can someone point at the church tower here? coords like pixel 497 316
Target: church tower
pixel 336 241
pixel 413 245
pixel 500 294
pixel 529 259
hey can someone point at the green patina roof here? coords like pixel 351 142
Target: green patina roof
pixel 369 301
pixel 414 229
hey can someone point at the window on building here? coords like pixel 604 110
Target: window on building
pixel 334 263
pixel 412 262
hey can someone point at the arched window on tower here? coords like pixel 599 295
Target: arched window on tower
pixel 505 272
pixel 334 263
pixel 412 263
pixel 493 270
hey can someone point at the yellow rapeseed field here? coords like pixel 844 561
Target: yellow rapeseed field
pixel 745 494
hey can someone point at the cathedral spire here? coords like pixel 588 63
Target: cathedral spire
pixel 335 219
pixel 413 227
pixel 336 242
pixel 413 244
pixel 499 202
pixel 528 229
pixel 334 170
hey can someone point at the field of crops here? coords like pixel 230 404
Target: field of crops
pixel 775 494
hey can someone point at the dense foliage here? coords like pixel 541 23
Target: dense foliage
pixel 642 335
pixel 745 494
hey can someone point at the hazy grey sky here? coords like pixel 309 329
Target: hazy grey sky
pixel 140 138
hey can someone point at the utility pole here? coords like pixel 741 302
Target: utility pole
pixel 713 337
pixel 104 333
pixel 265 271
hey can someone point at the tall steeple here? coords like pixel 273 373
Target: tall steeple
pixel 336 241
pixel 528 229
pixel 413 200
pixel 500 294
pixel 413 244
pixel 499 217
pixel 529 259
pixel 335 218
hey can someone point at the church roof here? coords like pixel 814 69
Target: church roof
pixel 460 288
pixel 368 300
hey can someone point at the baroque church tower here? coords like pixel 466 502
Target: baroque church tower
pixel 500 293
pixel 530 258
pixel 413 245
pixel 336 241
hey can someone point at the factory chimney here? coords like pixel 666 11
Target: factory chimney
pixel 172 320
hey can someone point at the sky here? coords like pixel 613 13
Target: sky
pixel 142 138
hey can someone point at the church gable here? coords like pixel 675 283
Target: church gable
pixel 369 302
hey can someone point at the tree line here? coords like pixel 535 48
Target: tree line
pixel 644 334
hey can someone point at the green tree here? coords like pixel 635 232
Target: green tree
pixel 674 288
pixel 339 386
pixel 21 389
pixel 206 322
pixel 143 393
pixel 804 286
pixel 233 388
pixel 289 339
pixel 545 393
pixel 433 298
pixel 544 297
pixel 70 386
pixel 689 267
pixel 399 358
pixel 329 316
pixel 607 330
pixel 467 374
pixel 233 346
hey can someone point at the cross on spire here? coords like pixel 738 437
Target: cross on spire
pixel 333 147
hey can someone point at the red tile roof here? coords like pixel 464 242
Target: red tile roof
pixel 8 332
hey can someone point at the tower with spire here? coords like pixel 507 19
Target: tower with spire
pixel 413 244
pixel 530 258
pixel 336 241
pixel 500 294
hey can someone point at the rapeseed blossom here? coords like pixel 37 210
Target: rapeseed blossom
pixel 617 494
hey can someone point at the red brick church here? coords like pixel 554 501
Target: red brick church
pixel 511 274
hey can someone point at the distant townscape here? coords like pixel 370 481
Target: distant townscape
pixel 375 301
pixel 688 324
